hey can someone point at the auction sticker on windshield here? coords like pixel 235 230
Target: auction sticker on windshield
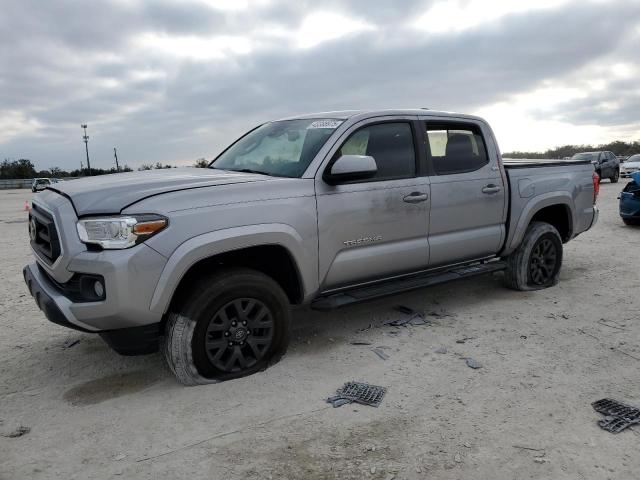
pixel 325 124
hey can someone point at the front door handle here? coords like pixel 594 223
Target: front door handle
pixel 416 197
pixel 491 188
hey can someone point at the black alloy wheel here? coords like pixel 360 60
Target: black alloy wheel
pixel 239 335
pixel 543 262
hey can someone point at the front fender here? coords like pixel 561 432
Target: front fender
pixel 220 241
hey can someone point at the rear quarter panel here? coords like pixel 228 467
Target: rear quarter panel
pixel 534 188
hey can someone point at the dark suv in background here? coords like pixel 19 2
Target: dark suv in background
pixel 606 164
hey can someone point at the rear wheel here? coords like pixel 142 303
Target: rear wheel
pixel 536 263
pixel 616 176
pixel 235 323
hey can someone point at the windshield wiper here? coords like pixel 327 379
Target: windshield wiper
pixel 248 170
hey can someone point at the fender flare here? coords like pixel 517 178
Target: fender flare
pixel 531 208
pixel 220 241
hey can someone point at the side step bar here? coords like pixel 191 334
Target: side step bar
pixel 391 287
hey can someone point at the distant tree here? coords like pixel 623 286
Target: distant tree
pixel 145 166
pixel 201 163
pixel 22 168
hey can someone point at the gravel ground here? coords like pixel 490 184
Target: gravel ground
pixel 525 414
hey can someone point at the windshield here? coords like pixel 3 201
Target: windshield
pixel 282 149
pixel 591 156
pixel 634 159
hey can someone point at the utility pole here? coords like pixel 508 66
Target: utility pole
pixel 115 154
pixel 86 146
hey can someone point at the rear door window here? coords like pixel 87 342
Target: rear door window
pixel 455 148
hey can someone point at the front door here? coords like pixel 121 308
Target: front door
pixel 468 208
pixel 376 227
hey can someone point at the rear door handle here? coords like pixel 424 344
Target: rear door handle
pixel 416 197
pixel 491 188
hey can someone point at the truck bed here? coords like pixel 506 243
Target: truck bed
pixel 540 162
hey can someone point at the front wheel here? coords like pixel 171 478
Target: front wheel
pixel 234 323
pixel 536 263
pixel 616 176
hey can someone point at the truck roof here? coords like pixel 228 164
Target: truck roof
pixel 345 114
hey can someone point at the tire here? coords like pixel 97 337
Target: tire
pixel 530 266
pixel 616 176
pixel 631 221
pixel 260 335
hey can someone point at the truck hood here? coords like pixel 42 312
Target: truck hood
pixel 110 194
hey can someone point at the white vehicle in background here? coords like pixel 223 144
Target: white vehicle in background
pixel 631 165
pixel 42 183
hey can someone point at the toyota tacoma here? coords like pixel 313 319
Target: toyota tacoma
pixel 322 210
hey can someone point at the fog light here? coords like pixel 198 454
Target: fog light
pixel 98 288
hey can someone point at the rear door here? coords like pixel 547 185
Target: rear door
pixel 606 167
pixel 468 202
pixel 377 227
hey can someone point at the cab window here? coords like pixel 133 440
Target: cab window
pixel 455 148
pixel 390 144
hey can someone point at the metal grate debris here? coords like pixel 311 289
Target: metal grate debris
pixel 362 393
pixel 618 416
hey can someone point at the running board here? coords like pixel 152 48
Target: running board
pixel 391 287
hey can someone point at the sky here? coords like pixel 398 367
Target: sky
pixel 172 81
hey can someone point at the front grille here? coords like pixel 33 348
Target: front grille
pixel 43 234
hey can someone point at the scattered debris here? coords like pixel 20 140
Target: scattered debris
pixel 360 343
pixel 608 323
pixel 120 456
pixel 473 363
pixel 337 401
pixel 71 343
pixel 441 350
pixel 364 329
pixel 380 352
pixel 413 317
pixel 457 458
pixel 358 392
pixel 539 460
pixel 618 415
pixel 522 447
pixel 18 432
pixel 464 339
pixel 441 314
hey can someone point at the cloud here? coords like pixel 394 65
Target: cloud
pixel 172 81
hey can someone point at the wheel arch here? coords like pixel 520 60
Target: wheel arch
pixel 276 250
pixel 557 210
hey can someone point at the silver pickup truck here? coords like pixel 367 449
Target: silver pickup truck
pixel 322 210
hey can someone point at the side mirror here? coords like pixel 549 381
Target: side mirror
pixel 351 167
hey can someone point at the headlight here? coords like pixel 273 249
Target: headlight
pixel 120 231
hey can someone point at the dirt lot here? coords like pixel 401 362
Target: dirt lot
pixel 525 414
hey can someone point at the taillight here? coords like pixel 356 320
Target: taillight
pixel 596 186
